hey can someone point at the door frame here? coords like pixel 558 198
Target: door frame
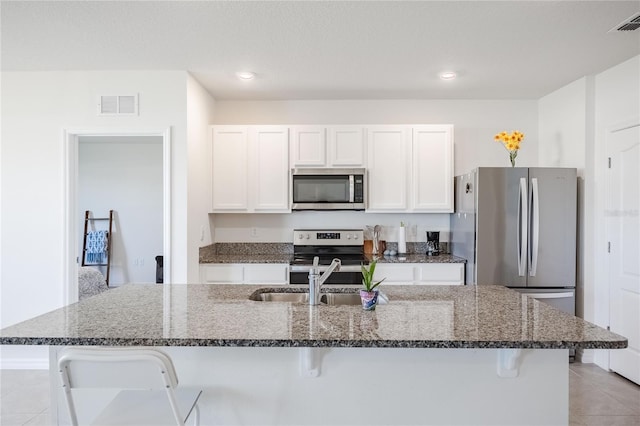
pixel 70 237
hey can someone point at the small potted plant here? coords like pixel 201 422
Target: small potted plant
pixel 369 294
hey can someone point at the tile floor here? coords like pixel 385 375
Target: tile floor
pixel 596 397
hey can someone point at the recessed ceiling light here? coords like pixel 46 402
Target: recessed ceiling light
pixel 448 75
pixel 245 75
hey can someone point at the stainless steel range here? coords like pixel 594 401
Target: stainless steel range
pixel 328 244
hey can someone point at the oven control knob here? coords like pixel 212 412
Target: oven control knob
pixel 299 236
pixel 307 236
pixel 348 236
pixel 355 236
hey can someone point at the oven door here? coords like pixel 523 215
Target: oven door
pixel 347 275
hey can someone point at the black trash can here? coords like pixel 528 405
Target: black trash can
pixel 159 273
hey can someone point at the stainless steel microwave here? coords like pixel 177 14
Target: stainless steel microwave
pixel 328 189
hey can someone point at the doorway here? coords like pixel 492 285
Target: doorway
pixel 123 174
pixel 128 172
pixel 623 230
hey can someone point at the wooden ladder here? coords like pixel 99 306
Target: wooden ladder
pixel 89 219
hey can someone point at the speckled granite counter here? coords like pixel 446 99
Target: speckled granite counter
pixel 283 253
pixel 223 315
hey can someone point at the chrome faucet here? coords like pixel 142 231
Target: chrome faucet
pixel 316 280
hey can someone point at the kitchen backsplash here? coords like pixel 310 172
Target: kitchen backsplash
pixel 270 228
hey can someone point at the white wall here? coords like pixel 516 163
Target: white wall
pixel 279 227
pixel 475 123
pixel 124 174
pixel 200 109
pixel 36 106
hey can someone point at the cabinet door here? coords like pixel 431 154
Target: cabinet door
pixel 308 146
pixel 440 273
pixel 229 150
pixel 269 172
pixel 266 274
pixel 221 274
pixel 346 146
pixel 432 183
pixel 387 168
pixel 394 274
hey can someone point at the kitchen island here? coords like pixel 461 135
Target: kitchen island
pixel 431 355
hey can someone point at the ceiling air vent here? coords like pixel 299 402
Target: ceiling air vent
pixel 630 24
pixel 118 105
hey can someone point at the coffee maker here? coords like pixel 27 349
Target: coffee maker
pixel 433 243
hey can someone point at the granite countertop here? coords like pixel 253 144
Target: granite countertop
pixel 223 315
pixel 286 258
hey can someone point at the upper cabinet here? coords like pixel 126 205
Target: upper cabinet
pixel 388 155
pixel 346 146
pixel 327 146
pixel 308 146
pixel 432 166
pixel 230 168
pixel 410 169
pixel 250 169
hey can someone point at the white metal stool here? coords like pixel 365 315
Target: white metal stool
pixel 148 392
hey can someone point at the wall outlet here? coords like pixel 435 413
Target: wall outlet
pixel 254 233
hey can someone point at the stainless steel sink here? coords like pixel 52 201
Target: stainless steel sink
pixel 340 299
pixel 281 297
pixel 303 297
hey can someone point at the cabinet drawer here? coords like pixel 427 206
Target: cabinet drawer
pixel 273 274
pixel 441 273
pixel 221 274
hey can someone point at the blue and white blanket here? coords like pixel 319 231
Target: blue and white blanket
pixel 97 246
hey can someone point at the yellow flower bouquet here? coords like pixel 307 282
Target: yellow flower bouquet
pixel 511 142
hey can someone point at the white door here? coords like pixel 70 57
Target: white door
pixel 269 172
pixel 432 148
pixel 230 168
pixel 624 259
pixel 388 167
pixel 346 146
pixel 308 146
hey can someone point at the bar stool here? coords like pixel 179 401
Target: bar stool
pixel 146 380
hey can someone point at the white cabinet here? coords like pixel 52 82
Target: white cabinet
pixel 432 182
pixel 420 273
pixel 410 168
pixel 245 273
pixel 440 273
pixel 327 146
pixel 230 168
pixel 269 171
pixel 394 274
pixel 346 146
pixel 250 169
pixel 308 146
pixel 388 174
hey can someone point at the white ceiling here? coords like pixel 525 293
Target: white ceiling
pixel 329 49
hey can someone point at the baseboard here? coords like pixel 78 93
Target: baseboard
pixel 24 357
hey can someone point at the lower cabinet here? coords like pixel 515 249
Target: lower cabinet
pixel 420 273
pixel 244 273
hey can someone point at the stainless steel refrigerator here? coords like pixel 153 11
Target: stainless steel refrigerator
pixel 517 227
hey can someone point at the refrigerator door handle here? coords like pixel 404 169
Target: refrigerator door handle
pixel 535 227
pixel 550 295
pixel 522 232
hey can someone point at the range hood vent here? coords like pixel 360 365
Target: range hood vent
pixel 629 24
